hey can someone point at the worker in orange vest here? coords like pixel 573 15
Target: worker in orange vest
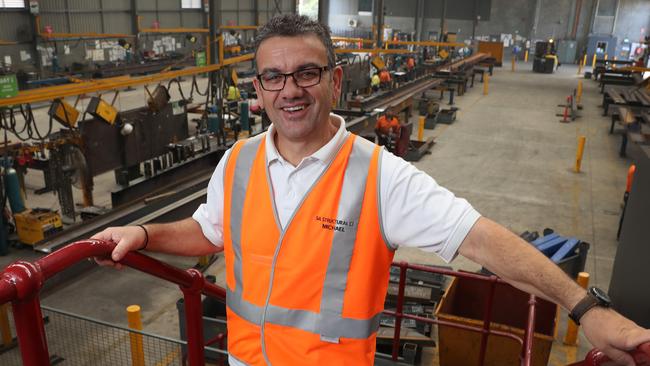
pixel 309 216
pixel 387 124
pixel 410 67
pixel 384 78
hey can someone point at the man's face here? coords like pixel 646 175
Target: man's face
pixel 297 113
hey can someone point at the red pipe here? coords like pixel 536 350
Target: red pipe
pixel 21 282
pixel 27 280
pixel 458 325
pixel 487 319
pixel 529 335
pixel 400 307
pixel 194 318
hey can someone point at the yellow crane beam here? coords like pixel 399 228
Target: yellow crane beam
pixel 352 40
pixel 372 50
pixel 239 27
pixel 426 43
pixel 94 86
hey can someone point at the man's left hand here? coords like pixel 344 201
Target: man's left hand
pixel 613 334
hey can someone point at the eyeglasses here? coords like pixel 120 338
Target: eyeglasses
pixel 304 78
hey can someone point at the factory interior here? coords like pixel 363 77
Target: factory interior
pixel 116 113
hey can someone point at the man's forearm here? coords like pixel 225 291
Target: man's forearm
pixel 183 237
pixel 519 263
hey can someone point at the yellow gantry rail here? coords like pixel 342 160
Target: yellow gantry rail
pixel 239 27
pixel 95 86
pixel 352 40
pixel 373 50
pixel 425 43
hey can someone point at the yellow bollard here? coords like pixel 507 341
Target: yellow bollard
pixel 579 68
pixel 204 260
pixel 584 61
pixel 421 128
pixel 486 82
pixel 581 150
pixel 526 56
pixel 135 322
pixel 579 93
pixel 5 329
pixel 513 63
pixel 605 57
pixel 571 336
pixel 593 61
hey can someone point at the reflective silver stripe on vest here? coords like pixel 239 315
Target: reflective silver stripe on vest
pixel 338 266
pixel 243 166
pixel 302 319
pixel 329 323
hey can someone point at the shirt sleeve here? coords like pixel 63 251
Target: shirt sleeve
pixel 209 215
pixel 417 212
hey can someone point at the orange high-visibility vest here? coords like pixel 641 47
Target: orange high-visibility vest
pixel 313 293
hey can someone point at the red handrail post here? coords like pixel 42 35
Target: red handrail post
pixel 403 266
pixel 194 318
pixel 487 320
pixel 27 280
pixel 529 334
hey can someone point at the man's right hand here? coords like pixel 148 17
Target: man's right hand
pixel 126 238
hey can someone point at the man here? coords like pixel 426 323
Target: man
pixel 374 82
pixel 387 124
pixel 384 78
pixel 309 217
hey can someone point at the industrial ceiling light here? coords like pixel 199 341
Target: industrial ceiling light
pixel 191 38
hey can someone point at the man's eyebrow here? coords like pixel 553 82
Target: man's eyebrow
pixel 307 65
pixel 269 69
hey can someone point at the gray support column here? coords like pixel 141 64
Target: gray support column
pixel 475 20
pixel 533 30
pixel 214 25
pixel 419 19
pixel 443 20
pixel 379 21
pixel 323 11
pixel 135 47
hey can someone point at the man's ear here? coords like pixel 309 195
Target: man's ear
pixel 258 90
pixel 337 80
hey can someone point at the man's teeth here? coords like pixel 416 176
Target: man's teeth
pixel 293 109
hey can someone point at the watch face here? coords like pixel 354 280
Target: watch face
pixel 601 295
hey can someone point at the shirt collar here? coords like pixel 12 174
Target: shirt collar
pixel 325 154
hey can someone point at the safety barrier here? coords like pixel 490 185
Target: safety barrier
pixel 526 342
pixel 80 340
pixel 21 282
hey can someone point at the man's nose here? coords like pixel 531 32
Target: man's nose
pixel 291 89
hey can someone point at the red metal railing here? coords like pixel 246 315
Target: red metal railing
pixel 22 281
pixel 526 342
pixel 595 357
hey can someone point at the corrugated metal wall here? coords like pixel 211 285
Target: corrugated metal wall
pixel 115 16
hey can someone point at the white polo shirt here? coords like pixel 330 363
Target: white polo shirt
pixel 415 210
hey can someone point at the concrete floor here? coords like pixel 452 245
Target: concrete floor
pixel 507 154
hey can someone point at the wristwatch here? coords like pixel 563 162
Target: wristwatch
pixel 594 297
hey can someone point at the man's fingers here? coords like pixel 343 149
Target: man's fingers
pixel 102 261
pixel 620 357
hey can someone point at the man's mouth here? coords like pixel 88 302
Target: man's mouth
pixel 294 108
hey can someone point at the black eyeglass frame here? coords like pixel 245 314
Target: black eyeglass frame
pixel 292 74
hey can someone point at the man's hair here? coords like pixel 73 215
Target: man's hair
pixel 294 25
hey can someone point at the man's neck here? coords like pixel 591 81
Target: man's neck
pixel 295 151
